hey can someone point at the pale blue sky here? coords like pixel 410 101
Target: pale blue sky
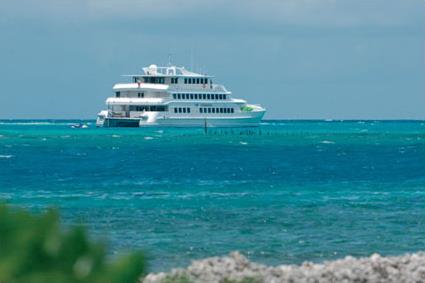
pixel 301 59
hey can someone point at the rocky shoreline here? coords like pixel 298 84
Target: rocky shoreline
pixel 235 267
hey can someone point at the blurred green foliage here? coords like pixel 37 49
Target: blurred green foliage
pixel 35 249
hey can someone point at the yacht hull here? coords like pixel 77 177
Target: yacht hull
pixel 251 121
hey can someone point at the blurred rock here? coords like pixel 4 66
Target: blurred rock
pixel 237 268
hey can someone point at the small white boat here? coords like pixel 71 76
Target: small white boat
pixel 79 126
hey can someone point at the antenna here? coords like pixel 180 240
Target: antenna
pixel 191 59
pixel 169 59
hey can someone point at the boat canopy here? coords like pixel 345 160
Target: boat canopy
pixel 133 101
pixel 140 86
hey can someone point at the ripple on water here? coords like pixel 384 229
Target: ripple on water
pixel 6 156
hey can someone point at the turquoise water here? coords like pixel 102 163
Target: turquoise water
pixel 284 193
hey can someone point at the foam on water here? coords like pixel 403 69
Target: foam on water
pixel 6 156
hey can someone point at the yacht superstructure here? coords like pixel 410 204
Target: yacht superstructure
pixel 174 96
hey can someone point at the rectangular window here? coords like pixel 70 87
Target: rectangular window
pixel 191 96
pixel 174 95
pixel 201 110
pixel 232 110
pixel 180 110
pixel 209 110
pixel 188 110
pixel 175 110
pixel 184 109
pixel 213 110
pixel 185 80
pixel 221 110
pixel 196 96
pixel 117 94
pixel 208 96
pixel 178 96
pixel 197 81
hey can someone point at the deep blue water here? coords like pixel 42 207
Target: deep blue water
pixel 284 193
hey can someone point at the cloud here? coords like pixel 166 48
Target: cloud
pixel 300 13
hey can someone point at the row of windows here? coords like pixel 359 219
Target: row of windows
pixel 182 110
pixel 204 110
pixel 139 94
pixel 195 81
pixel 154 80
pixel 159 108
pixel 199 96
pixel 216 110
pixel 161 80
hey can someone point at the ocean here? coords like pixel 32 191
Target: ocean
pixel 285 192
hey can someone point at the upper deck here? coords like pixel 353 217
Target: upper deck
pixel 171 79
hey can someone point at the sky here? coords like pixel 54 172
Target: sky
pixel 300 59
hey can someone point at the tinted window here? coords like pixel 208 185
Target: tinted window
pixel 117 94
pixel 191 96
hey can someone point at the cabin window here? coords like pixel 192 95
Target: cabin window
pixel 232 110
pixel 156 108
pixel 117 94
pixel 196 96
pixel 184 109
pixel 208 96
pixel 185 80
pixel 191 96
pixel 188 110
pixel 197 81
pixel 174 95
pixel 178 95
pixel 201 110
pixel 140 94
pixel 175 110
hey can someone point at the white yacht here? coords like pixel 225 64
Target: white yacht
pixel 173 96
